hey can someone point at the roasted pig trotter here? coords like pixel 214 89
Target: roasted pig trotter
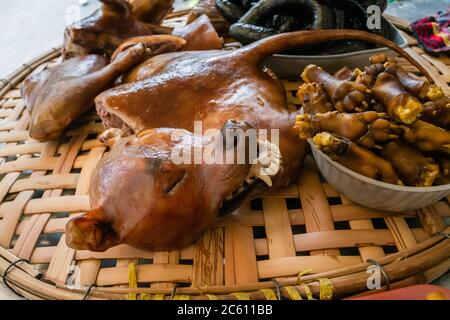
pixel 364 128
pixel 427 137
pixel 444 172
pixel 370 74
pixel 400 104
pixel 437 105
pixel 347 96
pixel 356 158
pixel 56 97
pixel 314 98
pixel 413 168
pixel 420 88
pixel 104 30
pixel 435 114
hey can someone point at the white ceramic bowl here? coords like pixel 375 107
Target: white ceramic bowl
pixel 290 66
pixel 372 193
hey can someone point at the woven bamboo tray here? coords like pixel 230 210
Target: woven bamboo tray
pixel 306 241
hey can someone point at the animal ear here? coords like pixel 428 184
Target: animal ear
pixel 121 7
pixel 110 136
pixel 91 232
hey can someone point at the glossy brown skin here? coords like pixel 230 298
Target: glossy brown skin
pixel 427 137
pixel 313 98
pixel 208 7
pixel 420 88
pixel 413 168
pixel 369 76
pixel 151 11
pixel 356 158
pixel 104 30
pixel 156 44
pixel 436 105
pixel 444 171
pixel 210 86
pixel 199 35
pixel 435 113
pixel 56 97
pixel 347 96
pixel 400 104
pixel 140 204
pixel 173 90
pixel 365 128
pixel 244 93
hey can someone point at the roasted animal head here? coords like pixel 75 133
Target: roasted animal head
pixel 151 191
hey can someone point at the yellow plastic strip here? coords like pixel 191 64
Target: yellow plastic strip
pixel 132 281
pixel 211 296
pixel 308 292
pixel 269 294
pixel 326 289
pixel 158 296
pixel 437 295
pixel 181 297
pixel 241 295
pixel 293 293
pixel 145 296
pixel 302 273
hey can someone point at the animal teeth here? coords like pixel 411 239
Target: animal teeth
pixel 269 171
pixel 266 179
